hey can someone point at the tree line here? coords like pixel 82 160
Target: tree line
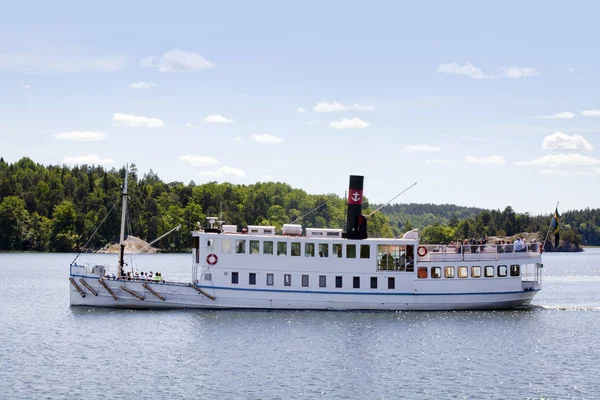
pixel 59 208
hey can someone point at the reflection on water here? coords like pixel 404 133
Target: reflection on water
pixel 50 350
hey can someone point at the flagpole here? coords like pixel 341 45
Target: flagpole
pixel 550 227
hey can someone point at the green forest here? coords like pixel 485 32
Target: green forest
pixel 58 208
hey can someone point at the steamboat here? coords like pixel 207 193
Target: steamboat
pixel 323 269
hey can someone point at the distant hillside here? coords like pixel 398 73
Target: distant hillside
pixel 418 216
pixel 58 207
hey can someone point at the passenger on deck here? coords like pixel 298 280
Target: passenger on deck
pixel 518 245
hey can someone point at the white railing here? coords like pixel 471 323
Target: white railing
pixel 477 252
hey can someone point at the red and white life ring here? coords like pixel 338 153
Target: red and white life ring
pixel 212 259
pixel 422 251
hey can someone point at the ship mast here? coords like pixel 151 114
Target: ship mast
pixel 120 270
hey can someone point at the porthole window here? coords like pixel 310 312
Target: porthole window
pixel 252 278
pixel 436 272
pixel 463 272
pixel 449 272
pixel 515 270
pixel 338 281
pixel 356 282
pixel 391 282
pixel 304 280
pixel 475 272
pixel 322 281
pixel 287 280
pixel 502 270
pixel 270 279
pixel 489 271
pixel 422 272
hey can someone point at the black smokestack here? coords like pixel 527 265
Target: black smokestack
pixel 356 223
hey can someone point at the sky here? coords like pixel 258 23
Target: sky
pixel 482 104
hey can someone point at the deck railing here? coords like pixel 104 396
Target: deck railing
pixel 477 252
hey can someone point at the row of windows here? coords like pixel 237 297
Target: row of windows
pixel 463 272
pixel 287 280
pixel 270 247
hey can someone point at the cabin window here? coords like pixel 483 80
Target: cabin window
pixel 373 282
pixel 391 282
pixel 337 250
pixel 449 272
pixel 240 246
pixel 309 249
pixel 208 277
pixel 502 271
pixel 350 251
pixel 475 272
pixel 515 270
pixel 322 281
pixel 365 251
pixel 338 281
pixel 287 280
pixel 235 278
pixel 254 246
pixel 356 282
pixel 422 272
pixel 282 248
pixel 270 279
pixel 226 246
pixel 196 241
pixel 323 250
pixel 295 249
pixel 211 245
pixel 463 272
pixel 268 247
pixel 489 271
pixel 305 280
pixel 436 272
pixel 252 278
pixel 395 258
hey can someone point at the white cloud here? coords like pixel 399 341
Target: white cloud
pixel 443 162
pixel 591 113
pixel 80 136
pixel 91 159
pixel 189 125
pixel 555 160
pixel 421 147
pixel 178 61
pixel 133 121
pixel 300 109
pixel 223 172
pixel 497 160
pixel 238 139
pixel 199 161
pixel 42 63
pixel 324 106
pixel 517 72
pixel 218 119
pixel 353 123
pixel 560 115
pixel 468 69
pixel 265 138
pixel 142 85
pixel 560 141
pixel 25 86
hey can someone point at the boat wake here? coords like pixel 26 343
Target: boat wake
pixel 562 308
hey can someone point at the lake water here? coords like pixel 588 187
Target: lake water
pixel 49 350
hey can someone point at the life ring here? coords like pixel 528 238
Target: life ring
pixel 422 251
pixel 212 259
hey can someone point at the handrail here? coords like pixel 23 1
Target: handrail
pixel 478 252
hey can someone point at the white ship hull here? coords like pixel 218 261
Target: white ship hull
pixel 185 296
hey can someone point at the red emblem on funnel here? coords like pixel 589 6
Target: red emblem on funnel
pixel 355 196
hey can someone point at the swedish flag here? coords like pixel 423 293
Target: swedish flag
pixel 556 227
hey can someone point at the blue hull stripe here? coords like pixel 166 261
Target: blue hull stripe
pixel 364 293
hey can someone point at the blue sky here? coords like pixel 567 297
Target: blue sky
pixel 483 104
